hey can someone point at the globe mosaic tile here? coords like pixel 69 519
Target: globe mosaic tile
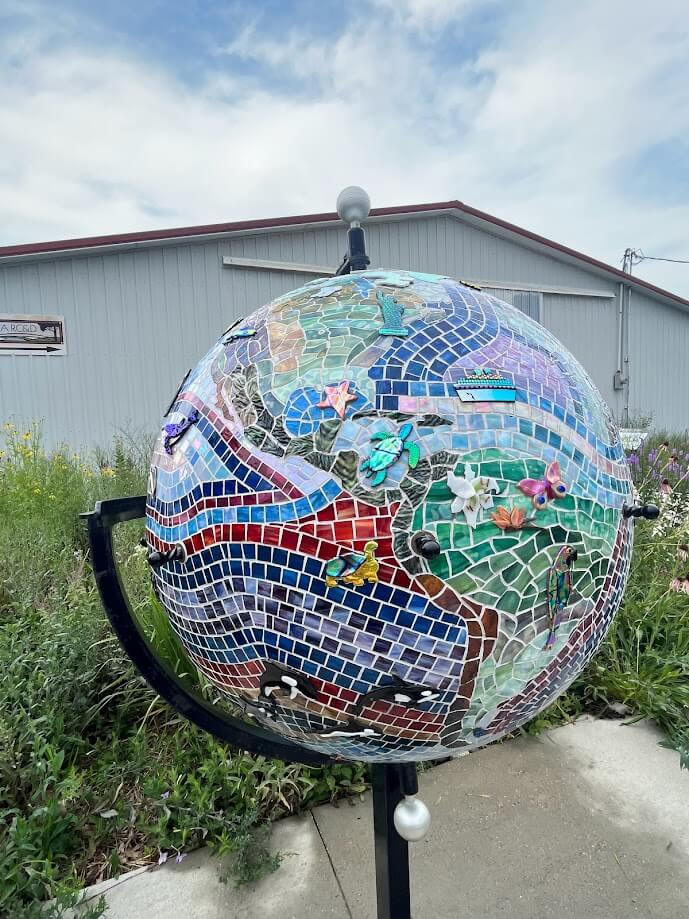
pixel 315 441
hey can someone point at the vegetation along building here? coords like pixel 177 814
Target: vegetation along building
pixel 95 334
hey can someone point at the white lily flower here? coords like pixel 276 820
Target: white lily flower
pixel 473 494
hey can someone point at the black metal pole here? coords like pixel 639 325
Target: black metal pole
pixel 392 852
pixel 356 258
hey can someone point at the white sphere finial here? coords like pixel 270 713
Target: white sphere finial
pixel 353 205
pixel 411 818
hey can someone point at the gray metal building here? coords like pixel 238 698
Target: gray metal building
pixel 138 310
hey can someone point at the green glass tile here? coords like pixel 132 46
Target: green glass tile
pixel 510 601
pixel 487 599
pixel 569 520
pixel 458 562
pixel 476 553
pixel 545 538
pixel 439 492
pixel 523 579
pixel 490 470
pixel 483 571
pixel 603 530
pixel 526 550
pixel 514 471
pixel 500 561
pixel 443 533
pixel 463 584
pixel 439 566
pixel 539 564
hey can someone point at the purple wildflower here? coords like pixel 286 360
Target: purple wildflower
pixel 162 858
pixel 633 459
pixel 180 856
pixel 652 456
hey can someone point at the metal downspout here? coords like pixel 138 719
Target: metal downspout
pixel 626 357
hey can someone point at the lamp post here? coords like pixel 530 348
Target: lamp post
pixel 353 206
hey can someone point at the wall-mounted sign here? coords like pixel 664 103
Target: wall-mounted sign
pixel 632 440
pixel 32 334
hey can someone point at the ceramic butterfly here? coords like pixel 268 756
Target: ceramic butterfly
pixel 541 491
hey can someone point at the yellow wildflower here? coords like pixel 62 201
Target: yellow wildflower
pixel 26 435
pixel 108 471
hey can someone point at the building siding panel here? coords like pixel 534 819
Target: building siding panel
pixel 659 363
pixel 136 320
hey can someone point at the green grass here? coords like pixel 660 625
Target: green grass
pixel 98 775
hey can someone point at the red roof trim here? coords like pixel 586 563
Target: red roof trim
pixel 88 242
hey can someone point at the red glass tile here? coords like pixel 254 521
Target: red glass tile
pixel 324 551
pixel 365 528
pixel 271 535
pixel 345 509
pixel 254 532
pixel 343 530
pixel 290 539
pixel 308 545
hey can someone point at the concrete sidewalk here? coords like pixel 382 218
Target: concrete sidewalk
pixel 589 821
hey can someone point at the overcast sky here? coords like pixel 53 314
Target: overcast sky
pixel 568 118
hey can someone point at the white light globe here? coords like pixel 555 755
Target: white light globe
pixel 353 204
pixel 412 818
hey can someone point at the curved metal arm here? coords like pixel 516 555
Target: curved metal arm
pixel 225 727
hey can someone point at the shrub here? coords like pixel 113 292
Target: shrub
pixel 98 775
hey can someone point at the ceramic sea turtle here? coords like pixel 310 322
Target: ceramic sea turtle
pixel 387 449
pixel 353 567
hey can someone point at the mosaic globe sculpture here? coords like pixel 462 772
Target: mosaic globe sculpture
pixel 386 514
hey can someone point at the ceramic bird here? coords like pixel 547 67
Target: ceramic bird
pixel 559 589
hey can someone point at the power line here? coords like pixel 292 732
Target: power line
pixel 632 257
pixel 657 258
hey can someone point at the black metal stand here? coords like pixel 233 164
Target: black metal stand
pixel 390 782
pixel 392 852
pixel 356 258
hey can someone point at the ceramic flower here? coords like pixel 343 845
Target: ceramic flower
pixel 473 494
pixel 510 519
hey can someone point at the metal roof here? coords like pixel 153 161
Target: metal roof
pixel 458 208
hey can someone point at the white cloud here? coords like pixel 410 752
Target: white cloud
pixel 538 127
pixel 425 14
